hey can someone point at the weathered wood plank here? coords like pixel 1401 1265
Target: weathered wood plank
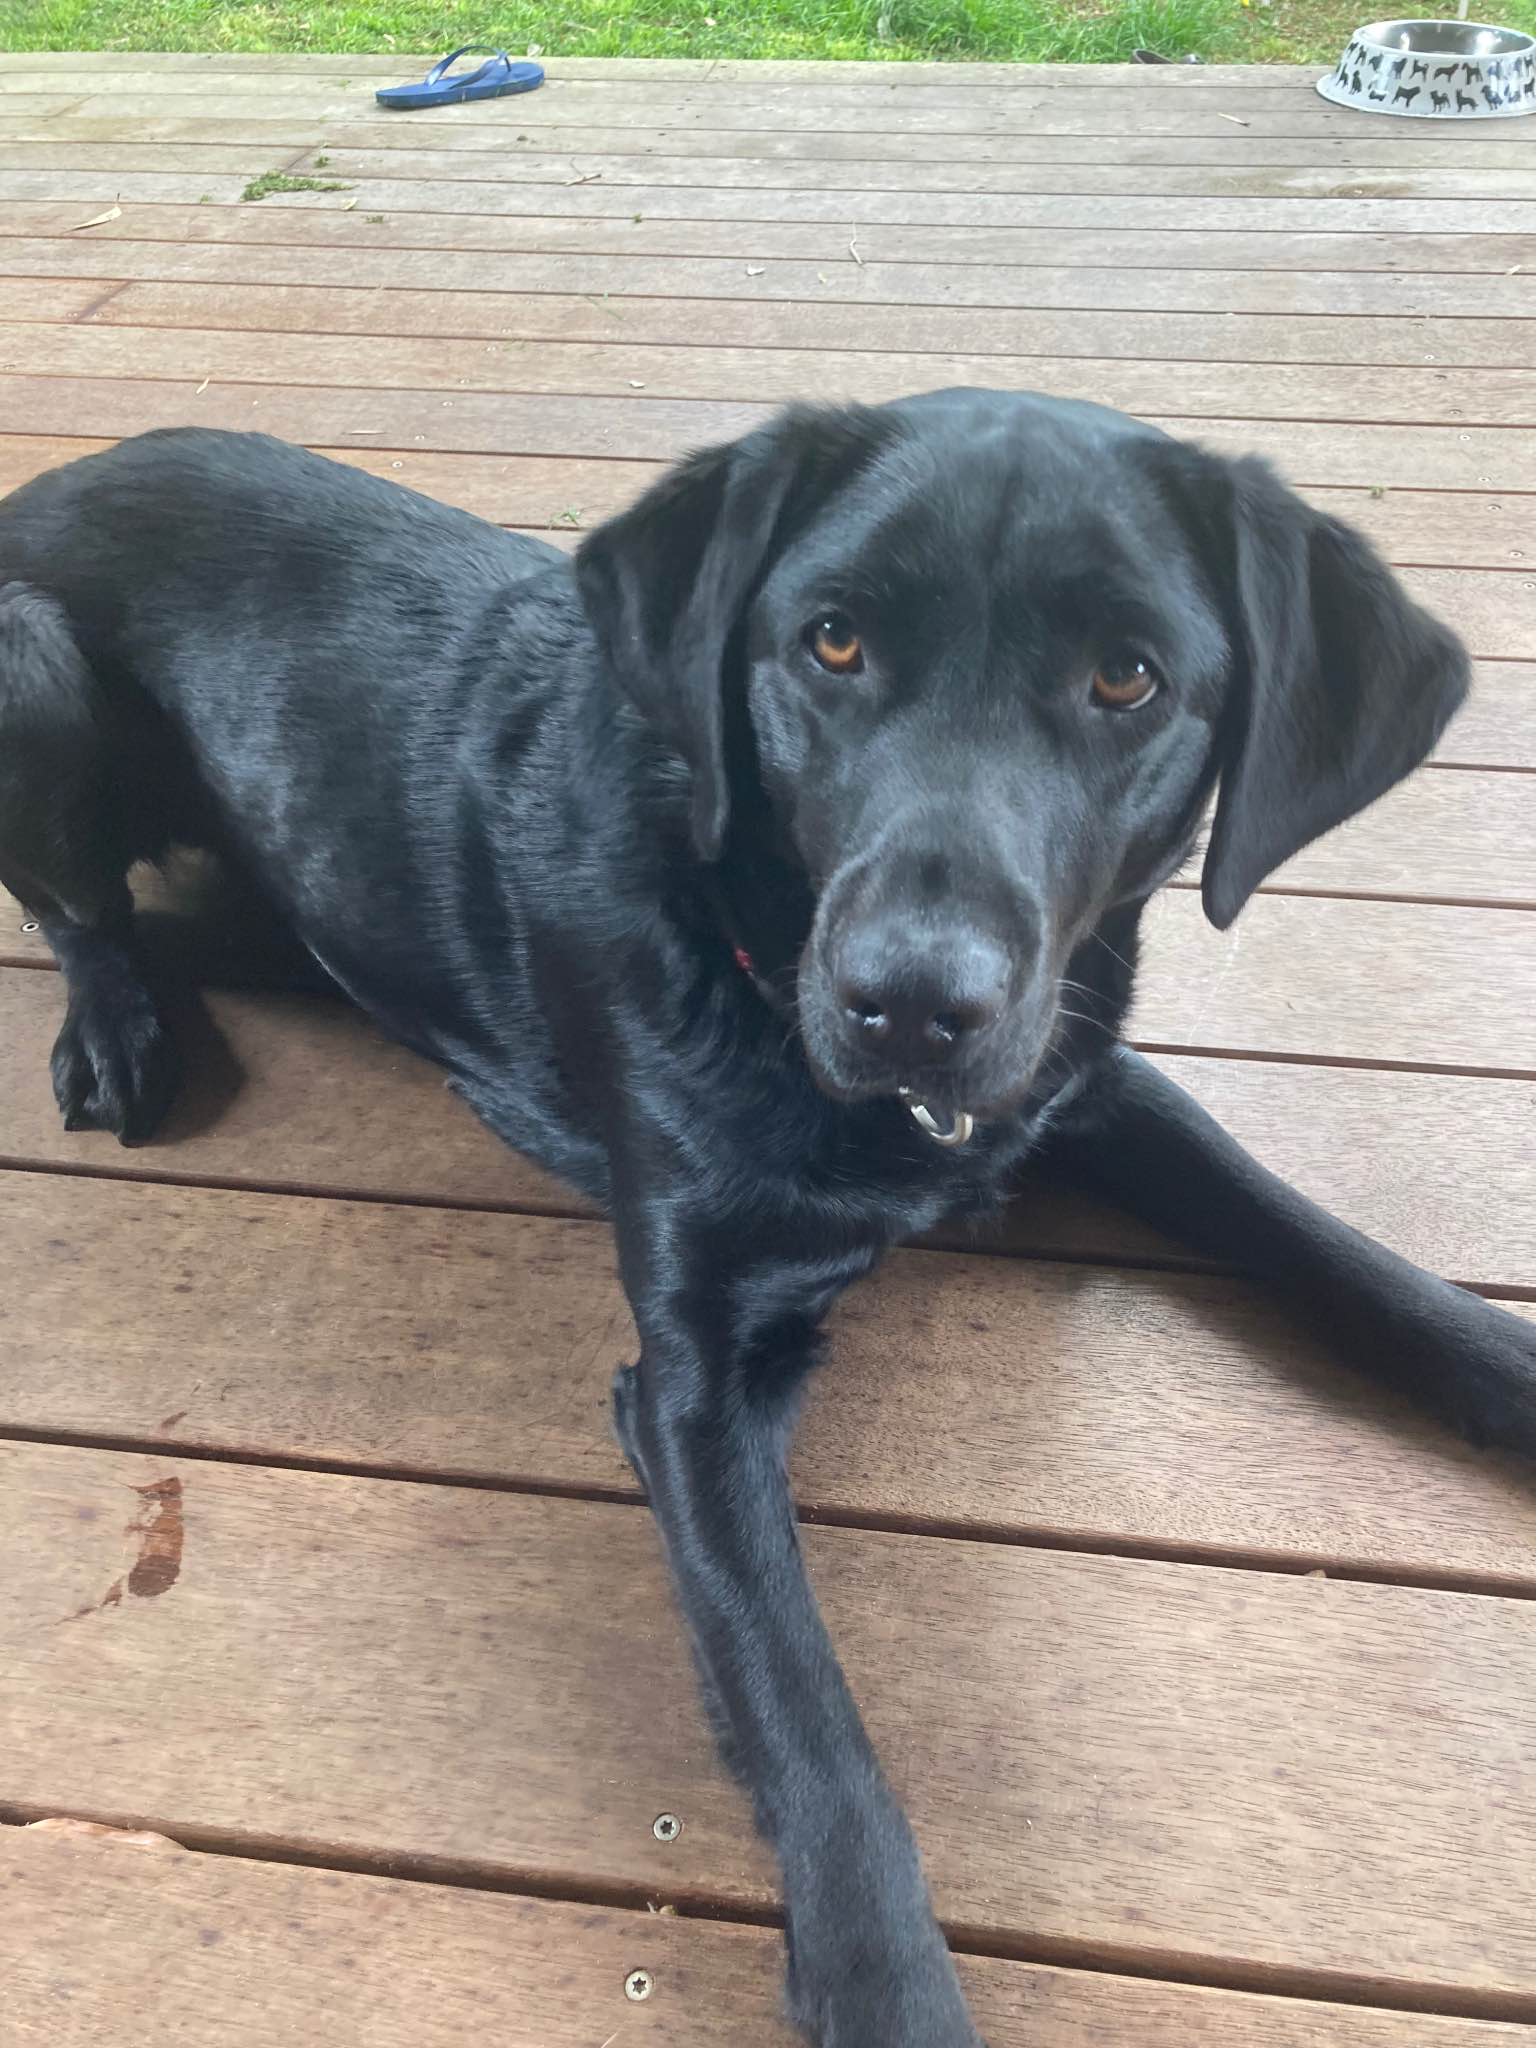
pixel 1224 1767
pixel 568 495
pixel 1405 147
pixel 54 298
pixel 1301 977
pixel 504 317
pixel 640 427
pixel 423 1966
pixel 290 1095
pixel 48 150
pixel 1456 835
pixel 768 376
pixel 1313 977
pixel 1078 212
pixel 1052 1403
pixel 1097 109
pixel 1406 276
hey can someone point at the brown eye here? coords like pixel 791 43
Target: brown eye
pixel 1125 683
pixel 836 645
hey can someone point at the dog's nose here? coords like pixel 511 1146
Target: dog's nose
pixel 919 1006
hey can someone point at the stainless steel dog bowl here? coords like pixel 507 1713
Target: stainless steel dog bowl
pixel 1435 71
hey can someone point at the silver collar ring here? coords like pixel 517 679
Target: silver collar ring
pixel 960 1129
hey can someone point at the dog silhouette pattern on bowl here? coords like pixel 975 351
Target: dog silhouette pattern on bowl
pixel 1435 70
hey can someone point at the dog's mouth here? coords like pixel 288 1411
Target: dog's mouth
pixel 949 1104
pixel 956 1130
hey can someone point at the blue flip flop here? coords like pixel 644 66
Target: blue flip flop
pixel 499 74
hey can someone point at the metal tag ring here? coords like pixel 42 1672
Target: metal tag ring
pixel 959 1131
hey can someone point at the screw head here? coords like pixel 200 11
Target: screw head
pixel 667 1827
pixel 638 1985
pixel 31 925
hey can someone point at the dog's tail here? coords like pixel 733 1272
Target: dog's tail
pixel 57 818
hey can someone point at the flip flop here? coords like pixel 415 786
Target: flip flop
pixel 499 74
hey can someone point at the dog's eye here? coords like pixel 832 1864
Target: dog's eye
pixel 1125 683
pixel 836 645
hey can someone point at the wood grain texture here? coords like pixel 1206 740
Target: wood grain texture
pixel 662 429
pixel 1304 977
pixel 1356 158
pixel 292 1094
pixel 772 377
pixel 504 317
pixel 568 495
pixel 1104 111
pixel 1315 977
pixel 1460 836
pixel 106 1931
pixel 43 147
pixel 1266 1771
pixel 1080 212
pixel 1035 1402
pixel 1408 276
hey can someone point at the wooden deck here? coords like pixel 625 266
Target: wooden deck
pixel 1204 1669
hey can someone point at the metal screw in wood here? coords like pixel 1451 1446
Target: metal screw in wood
pixel 638 1985
pixel 667 1827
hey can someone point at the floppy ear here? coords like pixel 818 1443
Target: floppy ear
pixel 666 583
pixel 1343 685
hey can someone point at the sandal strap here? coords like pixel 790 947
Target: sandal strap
pixel 466 50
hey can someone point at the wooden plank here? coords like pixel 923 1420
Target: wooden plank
pixel 288 1094
pixel 1055 1403
pixel 423 1966
pixel 1496 723
pixel 1405 147
pixel 30 298
pixel 516 316
pixel 1387 1728
pixel 40 105
pixel 1310 977
pixel 49 150
pixel 767 376
pixel 1463 836
pixel 1491 609
pixel 570 495
pixel 1407 276
pixel 1299 977
pixel 1082 212
pixel 1082 110
pixel 641 427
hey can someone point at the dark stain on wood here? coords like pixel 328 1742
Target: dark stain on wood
pixel 158 1525
pixel 158 1528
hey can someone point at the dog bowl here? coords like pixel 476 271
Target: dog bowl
pixel 1435 71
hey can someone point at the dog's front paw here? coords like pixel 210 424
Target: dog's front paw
pixel 114 1066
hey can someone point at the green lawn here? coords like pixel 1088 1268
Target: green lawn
pixel 1084 31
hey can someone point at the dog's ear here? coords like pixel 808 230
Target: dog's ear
pixel 666 583
pixel 1340 687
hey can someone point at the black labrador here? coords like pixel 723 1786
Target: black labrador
pixel 774 876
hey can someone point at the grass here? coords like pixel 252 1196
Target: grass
pixel 279 181
pixel 1052 31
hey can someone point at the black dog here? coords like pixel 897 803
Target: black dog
pixel 775 877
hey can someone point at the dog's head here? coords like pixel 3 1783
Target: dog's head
pixel 992 653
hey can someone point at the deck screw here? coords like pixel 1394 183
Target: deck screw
pixel 638 1985
pixel 667 1827
pixel 30 925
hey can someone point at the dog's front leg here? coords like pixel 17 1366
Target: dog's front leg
pixel 727 1335
pixel 1141 1138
